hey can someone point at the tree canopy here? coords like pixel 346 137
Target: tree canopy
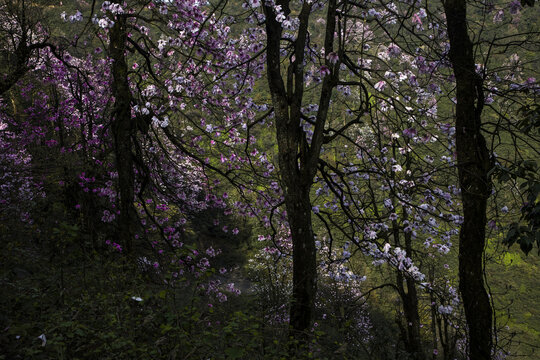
pixel 293 174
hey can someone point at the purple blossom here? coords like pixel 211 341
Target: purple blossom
pixel 333 58
pixel 324 70
pixel 515 7
pixel 499 16
pixel 393 50
pixel 380 86
pixel 410 132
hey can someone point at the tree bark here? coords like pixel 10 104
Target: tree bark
pixel 122 128
pixel 297 185
pixel 298 206
pixel 297 159
pixel 473 163
pixel 411 333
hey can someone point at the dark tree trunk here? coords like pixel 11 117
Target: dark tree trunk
pixel 304 256
pixel 298 160
pixel 122 127
pixel 297 185
pixel 410 306
pixel 295 182
pixel 411 330
pixel 473 163
pixel 406 287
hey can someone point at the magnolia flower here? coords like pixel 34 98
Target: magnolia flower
pixel 515 7
pixel 443 249
pixel 77 17
pixel 280 17
pixel 105 23
pixel 136 298
pixel 380 86
pixel 373 13
pixel 371 234
pixel 499 16
pixel 332 57
pixel 446 310
pixel 417 20
pixel 165 122
pixel 393 50
pixel 324 70
pixel 410 132
pixel 43 339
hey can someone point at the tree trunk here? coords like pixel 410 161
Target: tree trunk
pixel 298 159
pixel 304 257
pixel 122 129
pixel 473 163
pixel 296 171
pixel 297 185
pixel 412 338
pixel 413 319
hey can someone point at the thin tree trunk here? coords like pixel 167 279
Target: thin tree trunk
pixel 473 166
pixel 413 340
pixel 409 298
pixel 122 128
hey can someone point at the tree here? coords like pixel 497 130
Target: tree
pixel 297 159
pixel 474 164
pixel 304 131
pixel 22 33
pixel 361 109
pixel 122 126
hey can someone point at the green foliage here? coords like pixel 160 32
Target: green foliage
pixel 525 232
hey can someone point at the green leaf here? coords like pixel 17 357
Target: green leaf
pixel 162 294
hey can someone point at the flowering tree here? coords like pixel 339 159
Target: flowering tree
pixel 145 163
pixel 361 107
pixel 414 31
pixel 419 32
pixel 22 34
pixel 148 178
pixel 475 165
pixel 307 133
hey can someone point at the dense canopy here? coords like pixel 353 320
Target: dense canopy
pixel 245 179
